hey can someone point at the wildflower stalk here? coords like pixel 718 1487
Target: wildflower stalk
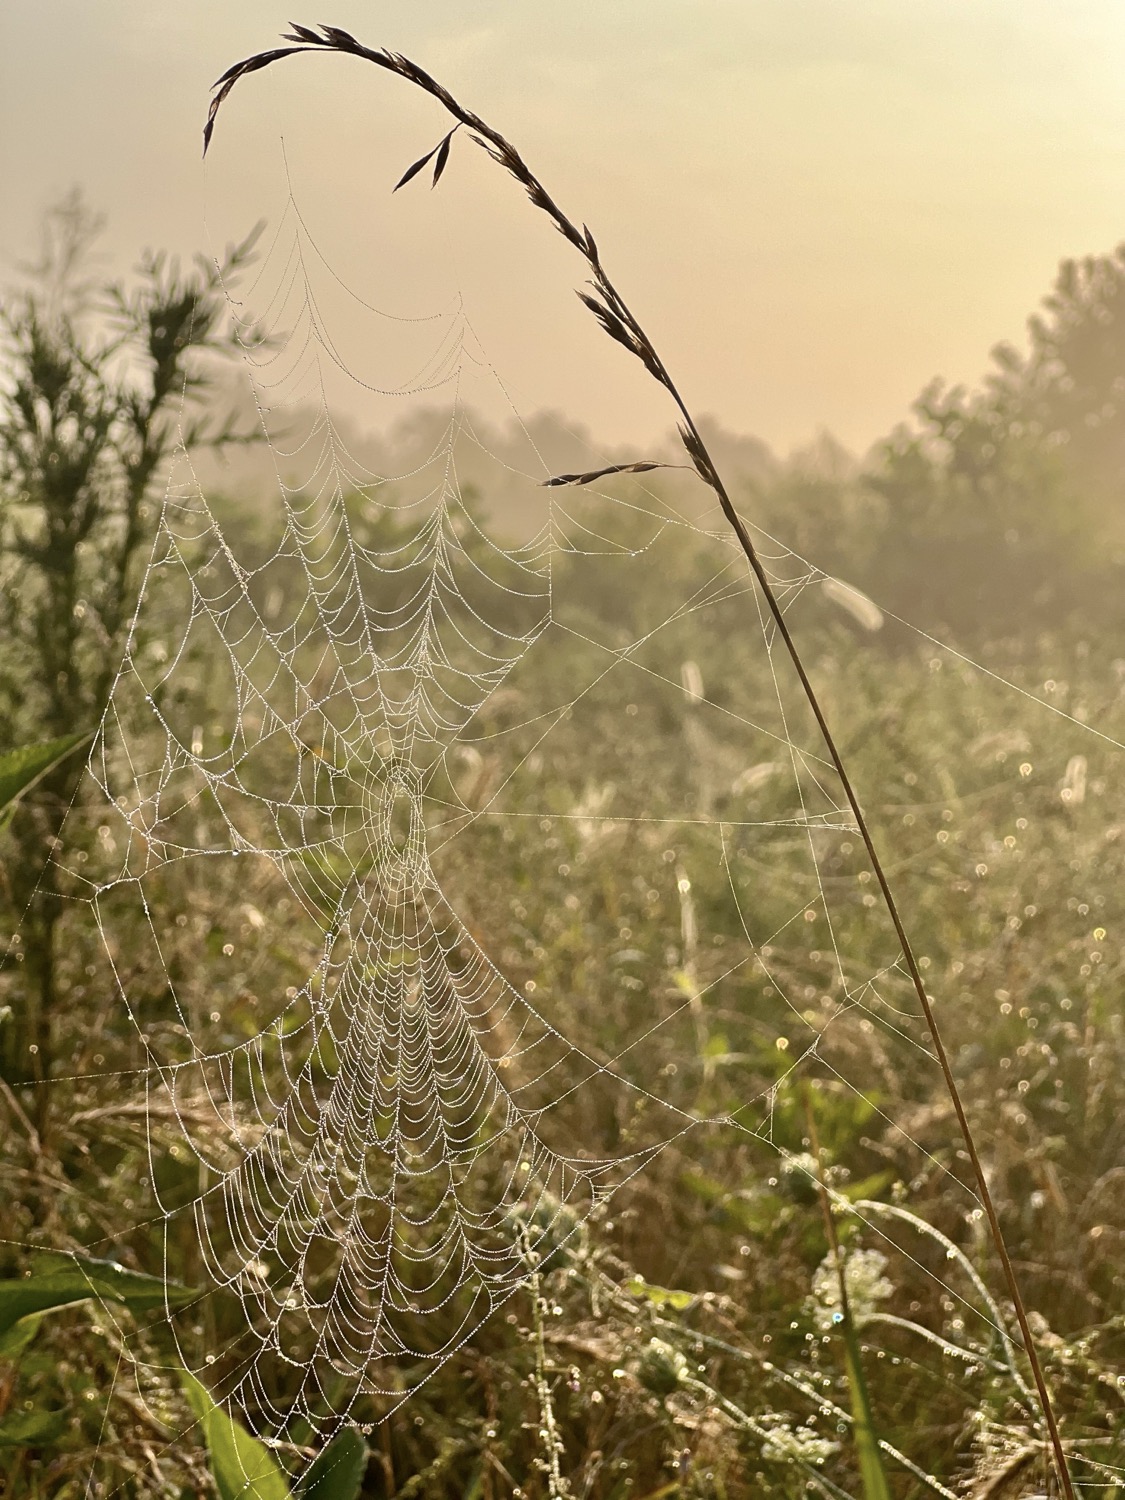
pixel 549 1435
pixel 615 317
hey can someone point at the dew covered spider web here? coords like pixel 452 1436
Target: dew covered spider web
pixel 299 734
pixel 407 788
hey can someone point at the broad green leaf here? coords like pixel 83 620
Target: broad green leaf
pixel 21 768
pixel 662 1296
pixel 198 1396
pixel 31 1429
pixel 14 1340
pixel 244 1468
pixel 338 1470
pixel 58 1279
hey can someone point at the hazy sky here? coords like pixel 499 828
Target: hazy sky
pixel 813 205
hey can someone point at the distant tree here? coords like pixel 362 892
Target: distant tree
pixel 1069 389
pixel 1001 501
pixel 96 381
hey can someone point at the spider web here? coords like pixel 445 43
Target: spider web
pixel 364 726
pixel 386 1157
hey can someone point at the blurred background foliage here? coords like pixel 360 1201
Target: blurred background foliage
pixel 684 1343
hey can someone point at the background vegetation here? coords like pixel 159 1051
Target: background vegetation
pixel 690 1343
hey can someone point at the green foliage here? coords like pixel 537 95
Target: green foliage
pixel 88 421
pixel 15 1338
pixel 865 1430
pixel 31 1429
pixel 57 1280
pixel 1067 391
pixel 659 1296
pixel 244 1468
pixel 337 1471
pixel 20 769
pixel 101 383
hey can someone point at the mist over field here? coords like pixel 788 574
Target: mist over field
pixel 561 894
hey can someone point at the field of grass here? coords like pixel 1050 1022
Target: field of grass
pixel 644 913
pixel 684 1345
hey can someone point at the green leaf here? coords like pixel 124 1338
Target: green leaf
pixel 198 1396
pixel 31 1429
pixel 662 1296
pixel 21 768
pixel 57 1280
pixel 244 1468
pixel 870 1187
pixel 338 1470
pixel 14 1340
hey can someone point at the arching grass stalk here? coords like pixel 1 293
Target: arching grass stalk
pixel 615 317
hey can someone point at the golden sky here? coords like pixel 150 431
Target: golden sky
pixel 813 205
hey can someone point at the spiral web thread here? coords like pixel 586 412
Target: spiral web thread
pixel 403 1130
pixel 294 734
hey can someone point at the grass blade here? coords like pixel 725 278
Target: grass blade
pixel 875 1486
pixel 20 769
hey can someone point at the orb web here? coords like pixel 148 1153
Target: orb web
pixel 291 735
